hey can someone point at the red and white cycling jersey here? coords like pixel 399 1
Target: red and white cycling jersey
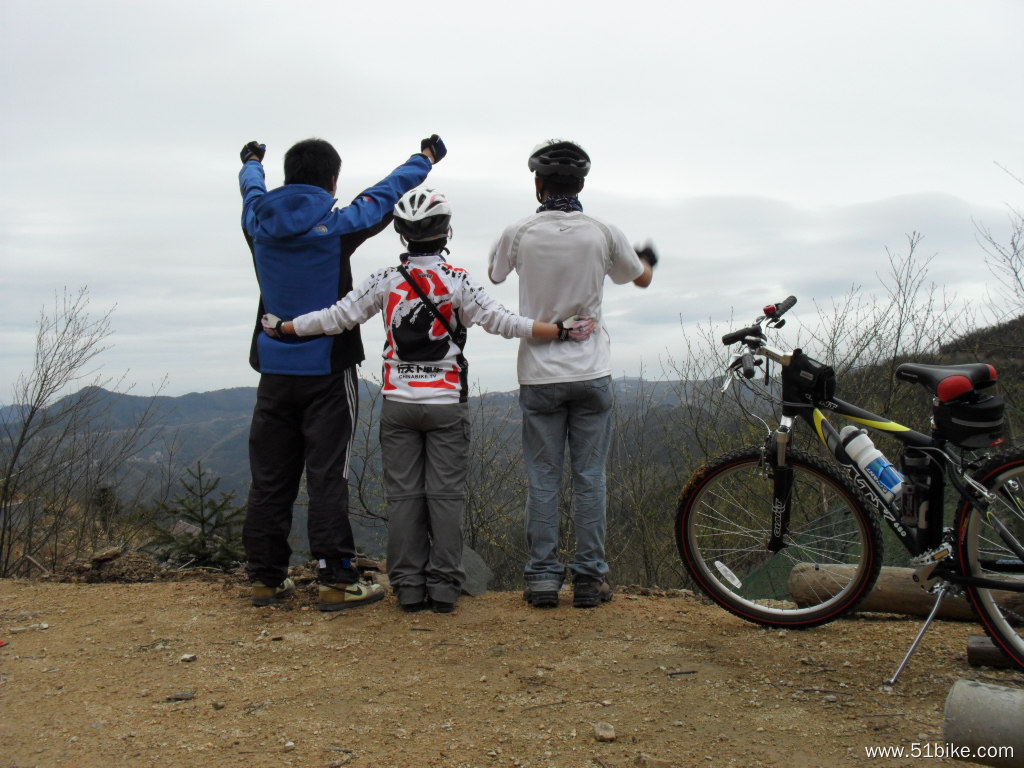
pixel 422 363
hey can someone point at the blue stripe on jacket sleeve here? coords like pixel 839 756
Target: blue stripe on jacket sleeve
pixel 373 204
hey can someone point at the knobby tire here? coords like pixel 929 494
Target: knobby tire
pixel 985 553
pixel 832 553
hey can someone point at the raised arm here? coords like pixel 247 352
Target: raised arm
pixel 251 181
pixel 648 258
pixel 373 204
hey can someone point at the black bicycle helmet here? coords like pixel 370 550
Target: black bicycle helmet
pixel 423 214
pixel 559 157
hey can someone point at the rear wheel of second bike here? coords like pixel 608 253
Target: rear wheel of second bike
pixel 990 547
pixel 831 554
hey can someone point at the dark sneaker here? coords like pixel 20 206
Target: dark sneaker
pixel 440 606
pixel 541 598
pixel 590 593
pixel 422 605
pixel 264 595
pixel 339 597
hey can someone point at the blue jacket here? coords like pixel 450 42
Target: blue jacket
pixel 301 246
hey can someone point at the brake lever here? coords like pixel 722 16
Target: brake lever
pixel 730 370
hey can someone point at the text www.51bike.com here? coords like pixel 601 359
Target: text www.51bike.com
pixel 940 750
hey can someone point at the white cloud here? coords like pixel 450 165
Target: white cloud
pixel 767 148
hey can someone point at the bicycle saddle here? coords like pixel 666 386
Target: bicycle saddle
pixel 948 382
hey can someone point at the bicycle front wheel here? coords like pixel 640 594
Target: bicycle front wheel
pixel 991 546
pixel 831 553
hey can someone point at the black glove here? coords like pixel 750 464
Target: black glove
pixel 436 146
pixel 575 328
pixel 646 252
pixel 253 151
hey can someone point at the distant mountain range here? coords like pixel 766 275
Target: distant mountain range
pixel 213 427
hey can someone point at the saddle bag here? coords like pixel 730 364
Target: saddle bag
pixel 972 422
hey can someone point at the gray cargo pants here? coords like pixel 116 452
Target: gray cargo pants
pixel 425 454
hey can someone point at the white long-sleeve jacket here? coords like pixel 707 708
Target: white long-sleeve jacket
pixel 422 363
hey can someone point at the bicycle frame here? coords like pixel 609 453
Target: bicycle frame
pixel 919 530
pixel 915 538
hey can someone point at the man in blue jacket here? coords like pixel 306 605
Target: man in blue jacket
pixel 307 399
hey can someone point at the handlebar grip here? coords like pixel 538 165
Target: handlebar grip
pixel 748 366
pixel 778 310
pixel 740 335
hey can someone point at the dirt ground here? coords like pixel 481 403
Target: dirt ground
pixel 189 673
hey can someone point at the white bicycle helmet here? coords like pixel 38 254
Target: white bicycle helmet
pixel 559 157
pixel 423 214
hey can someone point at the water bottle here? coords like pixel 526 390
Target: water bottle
pixel 861 450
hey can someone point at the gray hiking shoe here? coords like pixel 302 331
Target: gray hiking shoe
pixel 541 595
pixel 590 593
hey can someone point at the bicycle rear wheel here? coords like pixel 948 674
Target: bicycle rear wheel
pixel 831 555
pixel 990 546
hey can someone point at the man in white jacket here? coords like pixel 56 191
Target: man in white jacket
pixel 562 257
pixel 426 304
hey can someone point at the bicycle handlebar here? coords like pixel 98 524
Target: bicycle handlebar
pixel 772 313
pixel 731 338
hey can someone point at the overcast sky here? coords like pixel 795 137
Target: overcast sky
pixel 767 148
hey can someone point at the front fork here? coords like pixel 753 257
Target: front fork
pixel 782 484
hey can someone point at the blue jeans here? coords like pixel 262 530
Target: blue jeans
pixel 577 413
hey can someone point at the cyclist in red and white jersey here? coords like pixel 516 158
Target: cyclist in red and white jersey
pixel 427 304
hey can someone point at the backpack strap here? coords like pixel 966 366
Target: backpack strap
pixel 430 305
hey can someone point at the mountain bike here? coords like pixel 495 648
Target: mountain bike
pixel 784 537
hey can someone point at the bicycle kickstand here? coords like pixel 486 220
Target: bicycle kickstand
pixel 941 591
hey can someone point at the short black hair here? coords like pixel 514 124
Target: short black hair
pixel 312 161
pixel 560 186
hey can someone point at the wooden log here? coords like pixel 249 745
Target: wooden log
pixel 897 592
pixel 894 592
pixel 982 652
